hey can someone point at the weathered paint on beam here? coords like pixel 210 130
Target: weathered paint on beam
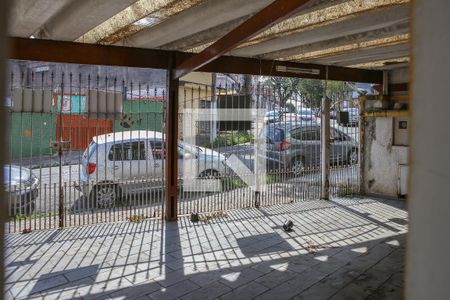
pixel 78 17
pixel 358 56
pixel 78 53
pixel 335 43
pixel 277 11
pixel 370 20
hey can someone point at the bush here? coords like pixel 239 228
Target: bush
pixel 230 139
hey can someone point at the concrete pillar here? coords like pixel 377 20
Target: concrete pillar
pixel 428 249
pixel 4 12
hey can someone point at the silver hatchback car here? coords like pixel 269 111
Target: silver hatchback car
pixel 131 162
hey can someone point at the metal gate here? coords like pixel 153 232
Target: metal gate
pixel 88 148
pixel 71 161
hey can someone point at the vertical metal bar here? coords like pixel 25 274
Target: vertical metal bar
pixel 81 206
pixel 70 149
pixel 325 145
pixel 361 144
pixel 61 189
pixel 40 152
pixel 172 143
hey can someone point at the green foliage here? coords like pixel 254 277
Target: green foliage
pixel 284 88
pixel 347 192
pixel 232 183
pixel 230 139
pixel 338 91
pixel 291 108
pixel 311 91
pixel 273 178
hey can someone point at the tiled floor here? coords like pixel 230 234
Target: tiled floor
pixel 340 249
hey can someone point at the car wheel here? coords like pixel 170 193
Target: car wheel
pixel 29 209
pixel 352 158
pixel 297 167
pixel 105 195
pixel 26 210
pixel 211 175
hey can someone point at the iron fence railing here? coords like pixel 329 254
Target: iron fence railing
pixel 89 148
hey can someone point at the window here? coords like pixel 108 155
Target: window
pixel 185 151
pixel 158 150
pixel 306 134
pixel 337 135
pixel 127 151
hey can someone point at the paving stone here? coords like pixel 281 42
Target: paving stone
pixel 81 273
pixel 136 291
pixel 210 291
pixel 362 286
pixel 246 249
pixel 70 290
pixel 318 291
pixel 240 277
pixel 24 289
pixel 247 291
pixel 171 278
pixel 206 278
pixel 275 278
pixel 101 289
pixel 387 291
pixel 293 286
pixel 175 291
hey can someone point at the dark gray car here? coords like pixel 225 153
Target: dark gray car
pixel 296 147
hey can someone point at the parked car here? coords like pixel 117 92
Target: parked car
pixel 131 162
pixel 307 114
pixel 22 187
pixel 272 116
pixel 275 115
pixel 353 117
pixel 298 118
pixel 296 147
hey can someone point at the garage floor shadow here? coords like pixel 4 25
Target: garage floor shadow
pixel 340 249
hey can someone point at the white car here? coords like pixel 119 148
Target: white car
pixel 130 162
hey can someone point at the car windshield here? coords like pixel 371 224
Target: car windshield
pixel 15 173
pixel 305 111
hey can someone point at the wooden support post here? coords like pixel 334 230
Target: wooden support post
pixel 172 144
pixel 325 148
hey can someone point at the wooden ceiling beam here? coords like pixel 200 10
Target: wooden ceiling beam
pixel 276 12
pixel 80 53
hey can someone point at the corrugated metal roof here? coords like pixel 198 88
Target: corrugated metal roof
pixel 326 29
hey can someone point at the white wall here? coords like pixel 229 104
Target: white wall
pixel 428 251
pixel 383 158
pixel 386 149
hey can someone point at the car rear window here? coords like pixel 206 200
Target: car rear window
pixel 90 150
pixel 274 134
